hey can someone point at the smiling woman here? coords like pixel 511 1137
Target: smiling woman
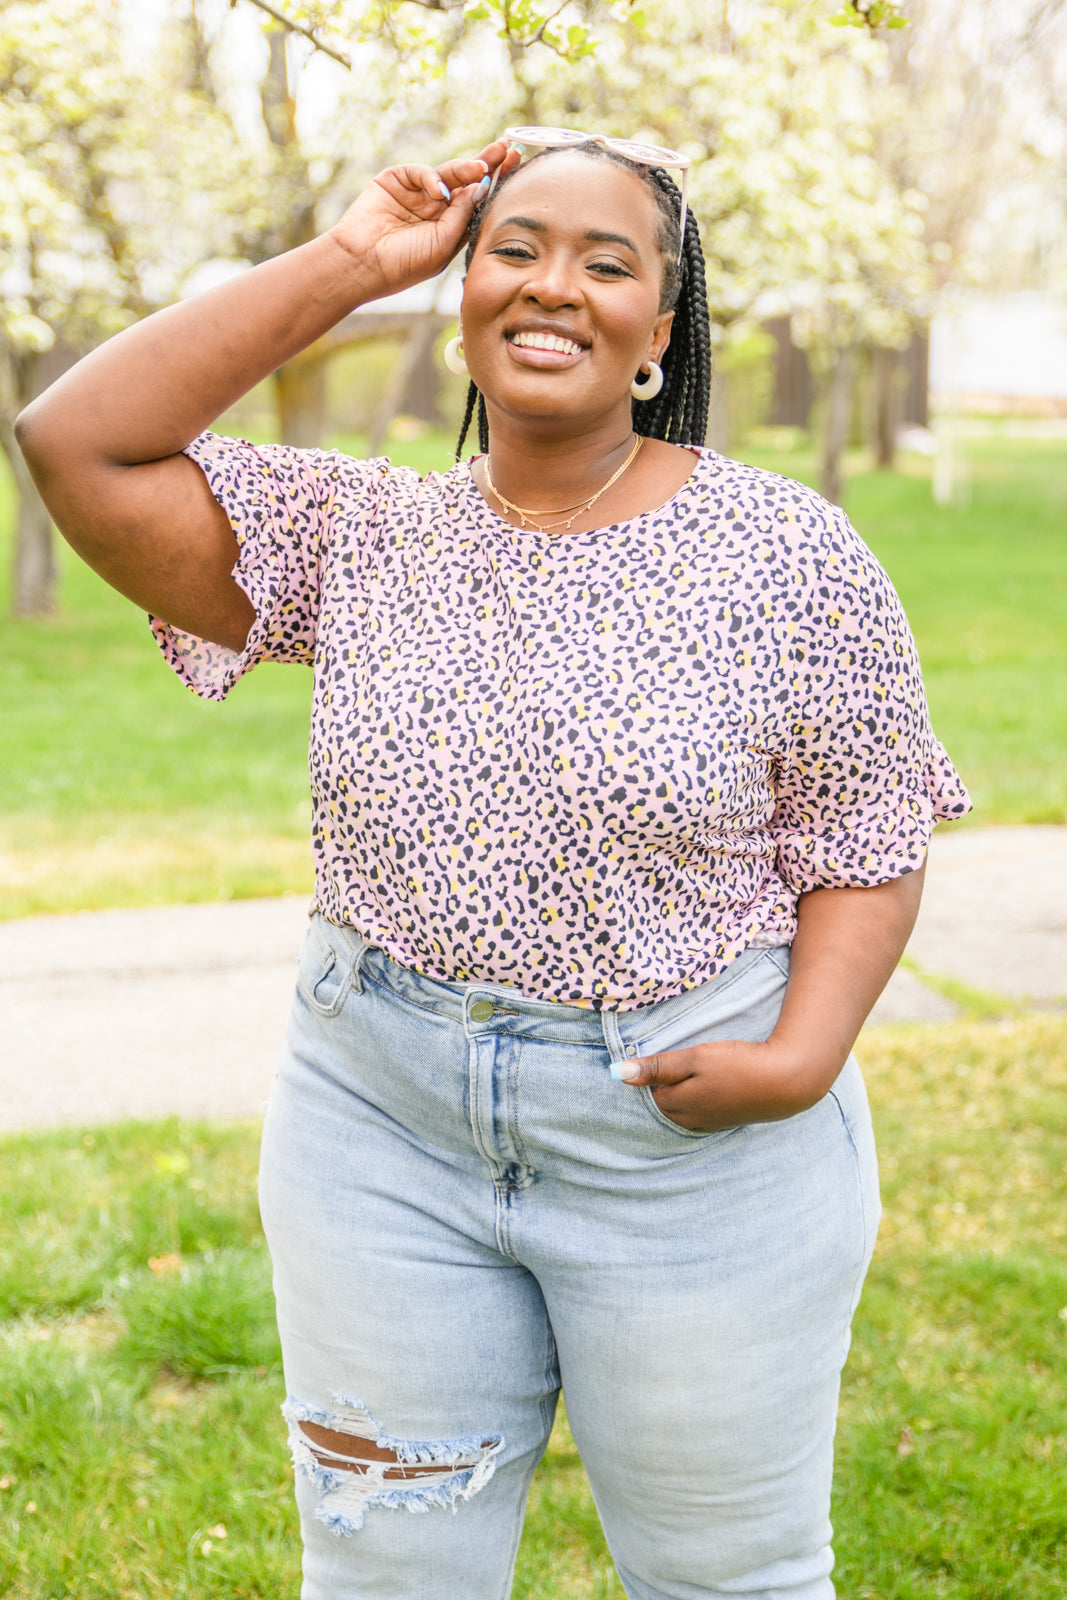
pixel 657 254
pixel 622 782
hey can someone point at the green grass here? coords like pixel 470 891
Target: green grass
pixel 142 1455
pixel 117 787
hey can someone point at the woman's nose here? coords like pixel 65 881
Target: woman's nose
pixel 554 282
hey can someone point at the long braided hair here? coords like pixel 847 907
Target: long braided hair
pixel 679 413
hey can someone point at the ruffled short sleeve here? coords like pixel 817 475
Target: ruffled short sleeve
pixel 277 499
pixel 865 780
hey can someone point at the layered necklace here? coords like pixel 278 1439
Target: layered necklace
pixel 529 518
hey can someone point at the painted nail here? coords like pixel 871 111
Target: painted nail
pixel 625 1071
pixel 445 190
pixel 483 188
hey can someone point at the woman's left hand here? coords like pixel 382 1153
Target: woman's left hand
pixel 848 942
pixel 722 1084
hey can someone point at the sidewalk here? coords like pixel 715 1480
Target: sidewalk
pixel 181 1009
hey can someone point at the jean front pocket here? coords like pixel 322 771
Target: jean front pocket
pixel 743 1003
pixel 324 978
pixel 649 1102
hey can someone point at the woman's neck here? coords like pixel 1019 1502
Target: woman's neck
pixel 539 466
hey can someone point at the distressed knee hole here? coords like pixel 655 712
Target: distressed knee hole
pixel 349 1454
pixel 354 1464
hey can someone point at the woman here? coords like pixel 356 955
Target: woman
pixel 623 782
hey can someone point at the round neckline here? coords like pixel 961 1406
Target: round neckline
pixel 527 535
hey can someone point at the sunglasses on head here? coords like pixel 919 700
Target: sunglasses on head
pixel 646 155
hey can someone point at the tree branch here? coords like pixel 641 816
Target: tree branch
pixel 539 36
pixel 298 27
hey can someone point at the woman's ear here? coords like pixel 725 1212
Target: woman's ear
pixel 661 335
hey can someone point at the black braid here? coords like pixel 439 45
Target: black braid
pixel 472 400
pixel 679 413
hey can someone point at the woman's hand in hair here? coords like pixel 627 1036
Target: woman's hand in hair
pixel 410 221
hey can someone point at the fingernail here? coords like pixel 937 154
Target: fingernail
pixel 625 1071
pixel 445 190
pixel 483 188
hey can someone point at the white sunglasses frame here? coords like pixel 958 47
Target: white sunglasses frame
pixel 648 155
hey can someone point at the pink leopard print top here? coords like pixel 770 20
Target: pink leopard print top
pixel 593 766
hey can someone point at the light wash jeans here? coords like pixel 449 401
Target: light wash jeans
pixel 466 1212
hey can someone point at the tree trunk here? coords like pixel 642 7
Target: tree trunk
pixel 300 392
pixel 414 355
pixel 836 425
pixel 421 396
pixel 33 586
pixel 885 377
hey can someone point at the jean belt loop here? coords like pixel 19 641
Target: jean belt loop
pixel 609 1021
pixel 353 949
pixel 358 957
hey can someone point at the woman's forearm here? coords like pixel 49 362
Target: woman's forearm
pixel 847 945
pixel 146 393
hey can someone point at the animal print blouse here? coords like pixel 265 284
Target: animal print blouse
pixel 592 766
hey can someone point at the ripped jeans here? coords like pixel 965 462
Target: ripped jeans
pixel 466 1212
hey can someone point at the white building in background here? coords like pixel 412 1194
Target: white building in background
pixel 1001 353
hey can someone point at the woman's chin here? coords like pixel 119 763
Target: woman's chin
pixel 561 397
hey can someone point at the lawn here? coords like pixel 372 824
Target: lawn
pixel 118 788
pixel 142 1454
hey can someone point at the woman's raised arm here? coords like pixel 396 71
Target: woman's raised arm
pixel 104 443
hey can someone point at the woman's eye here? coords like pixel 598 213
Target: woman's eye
pixel 609 269
pixel 515 251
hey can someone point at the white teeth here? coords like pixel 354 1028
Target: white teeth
pixel 546 341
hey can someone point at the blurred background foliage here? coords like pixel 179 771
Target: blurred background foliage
pixel 845 178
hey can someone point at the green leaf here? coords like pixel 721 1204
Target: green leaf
pixel 575 34
pixel 897 22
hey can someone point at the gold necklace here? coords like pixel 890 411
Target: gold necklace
pixel 527 516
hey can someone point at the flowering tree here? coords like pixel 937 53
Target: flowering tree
pixel 121 175
pixel 102 214
pixel 396 98
pixel 983 128
pixel 429 75
pixel 799 212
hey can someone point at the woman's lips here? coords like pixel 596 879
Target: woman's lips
pixel 549 352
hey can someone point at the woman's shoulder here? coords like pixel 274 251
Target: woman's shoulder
pixel 799 542
pixel 757 489
pixel 330 478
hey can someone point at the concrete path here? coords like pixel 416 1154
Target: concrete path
pixel 181 1009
